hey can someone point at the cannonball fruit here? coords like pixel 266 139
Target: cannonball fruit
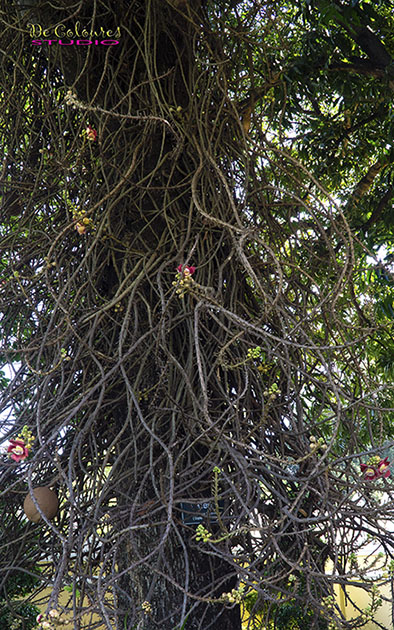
pixel 46 499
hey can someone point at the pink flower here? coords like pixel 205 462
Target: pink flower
pixel 187 271
pixel 18 450
pixel 91 133
pixel 378 469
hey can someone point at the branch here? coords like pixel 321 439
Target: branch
pixel 365 183
pixel 371 44
pixel 363 66
pixel 377 212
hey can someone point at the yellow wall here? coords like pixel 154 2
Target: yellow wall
pixel 64 601
pixel 362 599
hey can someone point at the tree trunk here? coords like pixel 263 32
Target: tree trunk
pixel 158 559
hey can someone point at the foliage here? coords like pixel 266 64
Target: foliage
pixel 16 583
pixel 20 616
pixel 282 615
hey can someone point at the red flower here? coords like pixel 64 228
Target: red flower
pixel 376 469
pixel 383 468
pixel 17 450
pixel 369 472
pixel 187 271
pixel 91 133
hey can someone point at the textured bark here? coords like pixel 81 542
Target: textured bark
pixel 173 584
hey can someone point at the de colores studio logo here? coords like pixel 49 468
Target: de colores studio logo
pixel 78 36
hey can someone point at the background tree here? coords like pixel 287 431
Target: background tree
pixel 15 584
pixel 193 303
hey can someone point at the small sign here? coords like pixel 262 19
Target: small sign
pixel 196 513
